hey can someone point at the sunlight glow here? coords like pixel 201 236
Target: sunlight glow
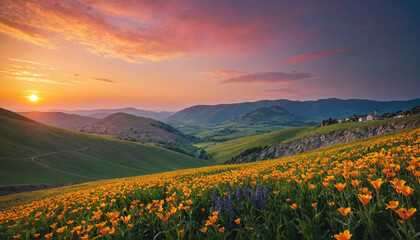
pixel 33 98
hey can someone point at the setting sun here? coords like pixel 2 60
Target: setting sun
pixel 33 98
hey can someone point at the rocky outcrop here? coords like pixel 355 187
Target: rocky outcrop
pixel 318 140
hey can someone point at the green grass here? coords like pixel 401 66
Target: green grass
pixel 224 151
pixel 105 157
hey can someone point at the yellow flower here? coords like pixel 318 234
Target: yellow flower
pixel 343 236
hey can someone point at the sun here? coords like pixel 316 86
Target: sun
pixel 33 98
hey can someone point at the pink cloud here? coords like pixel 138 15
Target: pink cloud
pixel 217 74
pixel 312 55
pixel 269 77
pixel 137 30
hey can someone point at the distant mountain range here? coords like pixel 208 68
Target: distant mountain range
pixel 59 119
pixel 130 127
pixel 270 116
pixel 102 113
pixel 312 110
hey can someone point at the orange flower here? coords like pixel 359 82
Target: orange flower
pixel 86 237
pixel 36 235
pixel 203 230
pixel 53 225
pixel 355 183
pixel 61 230
pixel 104 231
pixel 181 232
pixel 354 174
pixel 406 190
pixel 100 225
pixel 288 200
pixel 345 211
pixel 340 186
pixel 331 204
pixel 377 183
pixel 312 186
pixel 293 206
pixel 222 230
pixel 237 221
pixel 343 236
pixel 17 236
pixel 404 214
pixel 314 205
pixel 49 235
pixel 69 222
pixel 392 204
pixel 130 225
pixel 111 231
pixel 365 198
pixel 126 219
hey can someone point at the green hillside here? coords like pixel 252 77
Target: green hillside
pixel 223 151
pixel 69 156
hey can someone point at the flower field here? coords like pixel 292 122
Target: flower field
pixel 363 190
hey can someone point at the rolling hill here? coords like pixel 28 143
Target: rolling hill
pixel 59 119
pixel 130 127
pixel 313 110
pixel 224 151
pixel 103 113
pixel 31 152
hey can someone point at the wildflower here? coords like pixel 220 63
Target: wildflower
pixel 49 235
pixel 53 225
pixel 100 225
pixel 238 221
pixel 203 230
pixel 126 219
pixel 343 236
pixel 314 205
pixel 293 206
pixel 69 222
pixel 355 183
pixel 288 200
pixel 61 230
pixel 345 211
pixel 392 204
pixel 340 186
pixel 181 232
pixel 311 186
pixel 404 214
pixel 111 231
pixel 36 235
pixel 104 231
pixel 130 225
pixel 377 183
pixel 86 237
pixel 222 230
pixel 365 198
pixel 17 236
pixel 331 204
pixel 406 190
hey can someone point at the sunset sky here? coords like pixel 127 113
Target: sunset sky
pixel 167 55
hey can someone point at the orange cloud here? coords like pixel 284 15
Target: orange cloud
pixel 221 73
pixel 313 55
pixel 103 80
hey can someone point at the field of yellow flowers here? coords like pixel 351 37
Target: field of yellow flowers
pixel 363 190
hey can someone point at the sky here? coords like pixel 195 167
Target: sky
pixel 168 55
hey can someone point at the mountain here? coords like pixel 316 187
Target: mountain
pixel 59 119
pixel 31 152
pixel 270 116
pixel 313 110
pixel 103 113
pixel 130 127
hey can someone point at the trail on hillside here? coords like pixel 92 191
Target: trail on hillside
pixel 32 158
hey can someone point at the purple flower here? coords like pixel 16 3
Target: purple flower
pixel 238 194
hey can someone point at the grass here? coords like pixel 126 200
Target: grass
pixel 224 151
pixel 367 188
pixel 104 158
